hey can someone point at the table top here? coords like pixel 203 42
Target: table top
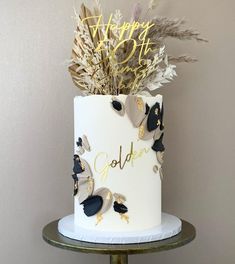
pixel 52 236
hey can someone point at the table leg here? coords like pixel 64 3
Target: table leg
pixel 118 259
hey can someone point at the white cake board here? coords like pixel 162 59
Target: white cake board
pixel 171 226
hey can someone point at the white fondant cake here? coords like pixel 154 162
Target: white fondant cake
pixel 117 174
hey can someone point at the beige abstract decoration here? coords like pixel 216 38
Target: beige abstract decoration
pixel 158 133
pixel 161 173
pixel 107 197
pixel 155 168
pixel 160 157
pixel 135 109
pixel 85 143
pixel 80 151
pixel 85 188
pixel 119 198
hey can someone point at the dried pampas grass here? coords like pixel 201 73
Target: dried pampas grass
pixel 100 71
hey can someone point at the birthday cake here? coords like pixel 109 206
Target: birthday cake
pixel 118 162
pixel 118 125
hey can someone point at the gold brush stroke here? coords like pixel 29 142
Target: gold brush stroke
pixel 125 217
pixel 99 218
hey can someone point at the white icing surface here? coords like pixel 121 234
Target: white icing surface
pixel 106 132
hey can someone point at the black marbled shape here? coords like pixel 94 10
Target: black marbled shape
pixel 79 142
pixel 75 177
pixel 158 145
pixel 161 118
pixel 92 205
pixel 147 108
pixel 75 191
pixel 117 105
pixel 120 208
pixel 152 122
pixel 77 168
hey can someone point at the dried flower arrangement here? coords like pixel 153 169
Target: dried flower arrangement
pixel 117 57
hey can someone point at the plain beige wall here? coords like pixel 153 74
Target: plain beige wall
pixel 36 131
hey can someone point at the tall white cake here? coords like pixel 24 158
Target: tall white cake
pixel 117 162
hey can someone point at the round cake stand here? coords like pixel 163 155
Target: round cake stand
pixel 118 253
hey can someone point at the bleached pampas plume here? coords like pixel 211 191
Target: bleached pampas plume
pixel 182 58
pixel 153 4
pixel 137 10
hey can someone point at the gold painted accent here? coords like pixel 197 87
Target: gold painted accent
pixel 140 104
pixel 83 166
pixel 90 184
pixel 119 200
pixel 108 196
pixel 99 218
pixel 141 131
pixel 125 217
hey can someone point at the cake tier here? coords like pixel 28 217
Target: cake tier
pixel 118 156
